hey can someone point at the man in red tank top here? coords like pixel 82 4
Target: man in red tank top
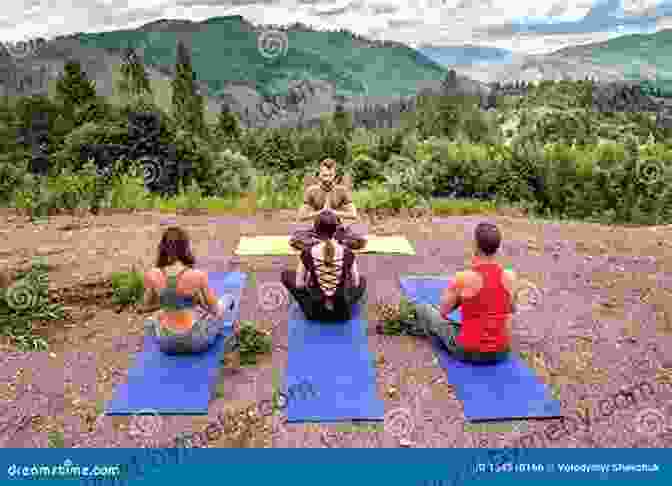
pixel 486 297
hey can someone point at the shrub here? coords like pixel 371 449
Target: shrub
pixel 128 287
pixel 252 343
pixel 27 301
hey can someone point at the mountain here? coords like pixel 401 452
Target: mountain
pixel 641 56
pixel 630 57
pixel 230 49
pixel 230 65
pixel 465 55
pixel 236 66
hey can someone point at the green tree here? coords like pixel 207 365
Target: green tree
pixel 187 103
pixel 342 120
pixel 73 88
pixel 228 125
pixel 134 82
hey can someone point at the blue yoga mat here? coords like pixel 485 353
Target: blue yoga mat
pixel 506 390
pixel 334 359
pixel 179 384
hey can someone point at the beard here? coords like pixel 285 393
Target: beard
pixel 327 186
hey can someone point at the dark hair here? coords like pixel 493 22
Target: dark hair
pixel 331 163
pixel 488 238
pixel 326 224
pixel 175 246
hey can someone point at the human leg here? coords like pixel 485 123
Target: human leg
pixel 303 239
pixel 301 294
pixel 348 237
pixel 431 321
pixel 429 318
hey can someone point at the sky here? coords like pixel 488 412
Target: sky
pixel 521 26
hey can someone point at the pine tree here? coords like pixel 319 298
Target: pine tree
pixel 342 120
pixel 73 88
pixel 135 81
pixel 228 125
pixel 187 102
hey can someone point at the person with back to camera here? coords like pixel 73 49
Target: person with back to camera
pixel 327 283
pixel 485 294
pixel 190 316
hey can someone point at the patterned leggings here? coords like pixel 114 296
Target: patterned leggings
pixel 198 339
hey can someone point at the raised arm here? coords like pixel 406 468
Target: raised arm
pixel 307 210
pixel 511 277
pixel 151 299
pixel 452 295
pixel 347 210
pixel 206 296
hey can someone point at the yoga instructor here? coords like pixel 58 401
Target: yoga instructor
pixel 328 196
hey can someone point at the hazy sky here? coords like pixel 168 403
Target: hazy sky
pixel 525 26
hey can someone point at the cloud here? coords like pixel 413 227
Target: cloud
pixel 527 26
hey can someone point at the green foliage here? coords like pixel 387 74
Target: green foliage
pixel 228 126
pixel 310 55
pixel 73 88
pixel 127 189
pixel 25 302
pixel 134 82
pixel 400 320
pixel 278 152
pixel 128 287
pixel 252 343
pixel 13 168
pixel 188 104
pixel 56 439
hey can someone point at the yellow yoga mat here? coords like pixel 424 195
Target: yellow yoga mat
pixel 279 245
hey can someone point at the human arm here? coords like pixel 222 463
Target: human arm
pixel 345 207
pixel 151 299
pixel 300 275
pixel 307 211
pixel 451 298
pixel 206 297
pixel 355 274
pixel 348 213
pixel 510 276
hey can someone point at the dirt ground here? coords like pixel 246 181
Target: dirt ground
pixel 602 321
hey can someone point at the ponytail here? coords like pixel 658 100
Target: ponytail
pixel 328 252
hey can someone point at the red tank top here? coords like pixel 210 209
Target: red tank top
pixel 484 316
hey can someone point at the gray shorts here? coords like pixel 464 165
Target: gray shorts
pixel 198 339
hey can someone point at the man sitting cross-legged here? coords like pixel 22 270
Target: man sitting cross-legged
pixel 485 294
pixel 327 282
pixel 327 195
